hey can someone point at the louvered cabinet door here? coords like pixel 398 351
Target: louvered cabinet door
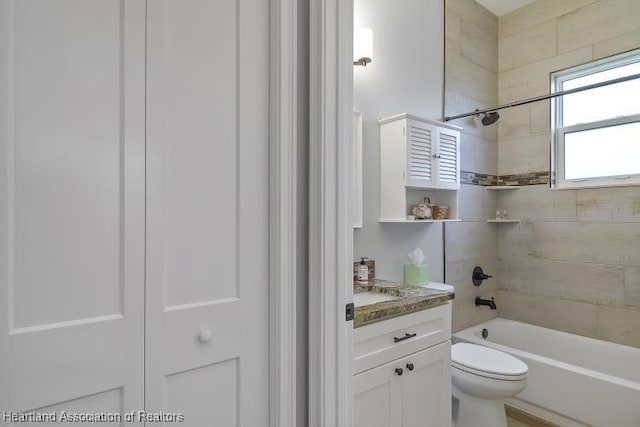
pixel 421 165
pixel 448 158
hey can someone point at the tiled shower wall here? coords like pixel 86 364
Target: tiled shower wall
pixel 573 264
pixel 471 76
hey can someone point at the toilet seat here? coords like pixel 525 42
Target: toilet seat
pixel 487 362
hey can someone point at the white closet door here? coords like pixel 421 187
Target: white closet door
pixel 207 211
pixel 72 205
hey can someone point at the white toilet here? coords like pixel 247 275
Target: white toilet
pixel 482 378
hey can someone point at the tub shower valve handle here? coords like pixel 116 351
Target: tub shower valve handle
pixel 478 276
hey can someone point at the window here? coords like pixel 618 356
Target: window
pixel 596 132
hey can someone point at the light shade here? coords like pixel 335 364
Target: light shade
pixel 362 46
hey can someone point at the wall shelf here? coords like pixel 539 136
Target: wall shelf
pixel 503 187
pixel 425 221
pixel 504 220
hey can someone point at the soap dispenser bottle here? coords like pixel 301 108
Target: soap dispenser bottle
pixel 363 271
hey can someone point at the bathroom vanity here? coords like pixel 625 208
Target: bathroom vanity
pixel 402 356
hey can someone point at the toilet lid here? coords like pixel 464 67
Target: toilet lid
pixel 487 360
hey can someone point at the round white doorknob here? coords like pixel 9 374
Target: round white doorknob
pixel 205 335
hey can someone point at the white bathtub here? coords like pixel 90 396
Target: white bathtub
pixel 573 380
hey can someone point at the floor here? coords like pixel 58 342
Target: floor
pixel 515 423
pixel 518 418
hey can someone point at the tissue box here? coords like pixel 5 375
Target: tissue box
pixel 416 275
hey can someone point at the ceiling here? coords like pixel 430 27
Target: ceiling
pixel 502 7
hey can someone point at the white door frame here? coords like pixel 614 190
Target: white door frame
pixel 330 219
pixel 283 206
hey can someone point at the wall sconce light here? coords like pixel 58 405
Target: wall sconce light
pixel 362 46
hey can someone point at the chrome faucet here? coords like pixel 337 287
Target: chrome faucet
pixel 488 302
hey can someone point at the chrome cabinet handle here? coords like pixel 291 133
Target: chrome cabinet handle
pixel 405 337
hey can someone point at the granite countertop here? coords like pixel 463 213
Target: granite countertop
pixel 410 299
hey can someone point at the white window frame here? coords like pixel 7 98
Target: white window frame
pixel 558 132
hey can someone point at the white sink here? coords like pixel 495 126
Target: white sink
pixel 367 298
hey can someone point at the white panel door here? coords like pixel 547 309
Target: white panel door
pixel 72 205
pixel 207 211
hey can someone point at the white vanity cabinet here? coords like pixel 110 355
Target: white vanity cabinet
pixel 417 154
pixel 402 379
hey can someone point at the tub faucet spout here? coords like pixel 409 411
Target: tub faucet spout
pixel 488 302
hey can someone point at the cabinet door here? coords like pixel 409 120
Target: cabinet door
pixel 448 158
pixel 377 397
pixel 421 142
pixel 426 389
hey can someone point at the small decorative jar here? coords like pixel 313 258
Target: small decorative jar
pixel 422 210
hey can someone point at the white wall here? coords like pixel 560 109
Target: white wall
pixel 406 75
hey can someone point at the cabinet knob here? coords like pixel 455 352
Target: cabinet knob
pixel 399 371
pixel 205 336
pixel 410 366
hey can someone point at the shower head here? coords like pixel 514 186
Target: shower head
pixel 490 118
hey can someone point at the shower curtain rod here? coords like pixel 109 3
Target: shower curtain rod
pixel 543 97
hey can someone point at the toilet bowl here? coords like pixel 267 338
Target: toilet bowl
pixel 482 378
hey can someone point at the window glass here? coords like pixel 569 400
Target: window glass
pixel 604 152
pixel 607 102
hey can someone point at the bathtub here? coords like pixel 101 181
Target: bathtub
pixel 573 380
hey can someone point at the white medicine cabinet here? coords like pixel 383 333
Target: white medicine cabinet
pixel 418 158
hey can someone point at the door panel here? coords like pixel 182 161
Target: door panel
pixel 72 202
pixel 108 402
pixel 194 392
pixel 207 211
pixel 193 131
pixel 66 162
